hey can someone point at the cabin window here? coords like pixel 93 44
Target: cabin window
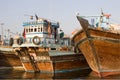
pixel 38 29
pixel 53 48
pixel 35 29
pixel 31 29
pixel 41 29
pixel 26 30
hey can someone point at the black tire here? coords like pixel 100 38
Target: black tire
pixel 20 41
pixel 38 40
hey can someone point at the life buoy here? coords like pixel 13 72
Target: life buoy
pixel 36 40
pixel 11 41
pixel 20 41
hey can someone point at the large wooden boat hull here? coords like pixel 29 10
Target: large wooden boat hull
pixel 56 64
pixel 43 62
pixel 40 60
pixel 100 48
pixel 71 62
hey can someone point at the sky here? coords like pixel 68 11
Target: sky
pixel 12 12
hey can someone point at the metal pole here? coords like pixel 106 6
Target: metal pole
pixel 2 33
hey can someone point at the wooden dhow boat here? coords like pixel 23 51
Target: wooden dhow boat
pixel 100 44
pixel 43 48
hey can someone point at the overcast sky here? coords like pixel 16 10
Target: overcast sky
pixel 12 12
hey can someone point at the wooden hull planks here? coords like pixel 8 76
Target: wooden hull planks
pixel 101 48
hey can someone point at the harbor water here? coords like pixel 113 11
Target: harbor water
pixel 76 74
pixel 79 74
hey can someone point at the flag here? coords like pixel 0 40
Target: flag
pixel 24 34
pixel 36 17
pixel 61 34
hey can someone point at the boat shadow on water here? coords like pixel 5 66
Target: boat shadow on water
pixel 20 74
pixel 78 74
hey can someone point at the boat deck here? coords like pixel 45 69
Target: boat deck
pixel 6 48
pixel 60 53
pixel 51 53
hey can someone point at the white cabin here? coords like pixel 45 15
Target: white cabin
pixel 46 30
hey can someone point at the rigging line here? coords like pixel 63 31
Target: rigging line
pixel 114 20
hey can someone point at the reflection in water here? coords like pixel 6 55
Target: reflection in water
pixel 18 74
pixel 81 74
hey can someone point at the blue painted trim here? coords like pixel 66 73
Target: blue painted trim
pixel 39 23
pixel 70 70
pixel 32 24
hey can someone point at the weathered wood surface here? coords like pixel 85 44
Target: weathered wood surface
pixel 8 59
pixel 42 61
pixel 101 49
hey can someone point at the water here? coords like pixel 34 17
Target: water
pixel 81 74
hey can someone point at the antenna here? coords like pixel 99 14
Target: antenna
pixel 102 12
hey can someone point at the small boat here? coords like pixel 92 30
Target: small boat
pixel 44 48
pixel 99 43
